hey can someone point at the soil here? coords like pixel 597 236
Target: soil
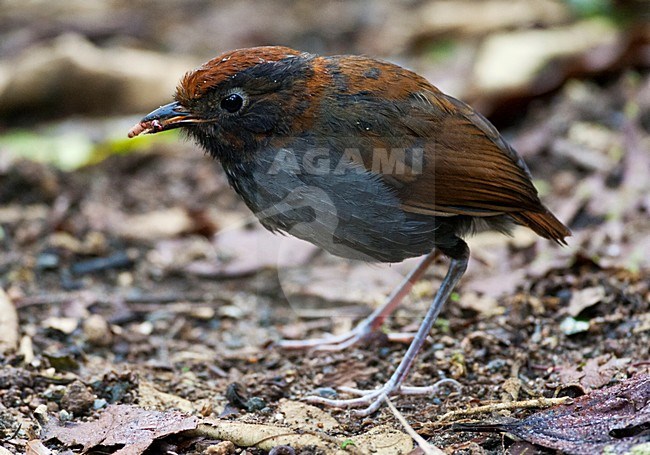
pixel 122 279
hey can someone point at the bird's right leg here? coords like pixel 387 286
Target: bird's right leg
pixel 371 323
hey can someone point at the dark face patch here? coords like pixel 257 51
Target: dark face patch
pixel 247 108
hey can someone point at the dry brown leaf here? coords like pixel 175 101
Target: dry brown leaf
pixel 150 397
pixel 70 61
pixel 610 420
pixel 381 440
pixel 262 436
pixel 160 224
pixel 595 373
pixel 132 427
pixel 584 298
pixel 512 61
pixel 460 16
pixel 484 305
pixel 343 281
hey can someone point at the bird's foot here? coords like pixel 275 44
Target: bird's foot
pixel 370 324
pixel 332 342
pixel 373 399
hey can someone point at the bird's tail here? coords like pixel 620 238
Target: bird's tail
pixel 543 223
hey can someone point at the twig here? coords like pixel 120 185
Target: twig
pixel 427 448
pixel 8 324
pixel 535 403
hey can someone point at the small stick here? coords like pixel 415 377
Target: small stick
pixel 541 402
pixel 427 448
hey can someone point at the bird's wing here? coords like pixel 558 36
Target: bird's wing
pixel 467 167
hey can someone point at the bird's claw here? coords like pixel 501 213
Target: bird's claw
pixel 373 399
pixel 329 343
pixel 340 342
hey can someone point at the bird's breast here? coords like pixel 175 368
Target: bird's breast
pixel 324 198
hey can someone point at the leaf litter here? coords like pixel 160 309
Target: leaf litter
pixel 132 428
pixel 613 420
pixel 147 344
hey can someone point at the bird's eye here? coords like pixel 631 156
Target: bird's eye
pixel 232 103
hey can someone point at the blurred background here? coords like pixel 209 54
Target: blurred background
pixel 136 252
pixel 565 80
pixel 110 57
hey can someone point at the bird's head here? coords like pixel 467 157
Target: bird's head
pixel 233 103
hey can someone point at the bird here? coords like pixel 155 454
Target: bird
pixel 363 158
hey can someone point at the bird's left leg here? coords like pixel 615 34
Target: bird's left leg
pixel 371 323
pixel 372 399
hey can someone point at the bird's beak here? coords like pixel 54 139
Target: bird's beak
pixel 167 117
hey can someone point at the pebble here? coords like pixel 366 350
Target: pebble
pixel 78 399
pixel 40 413
pixel 496 364
pixel 97 331
pixel 223 448
pixel 99 404
pixel 47 261
pixel 64 416
pixel 255 404
pixel 63 325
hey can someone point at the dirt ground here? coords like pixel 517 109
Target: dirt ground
pixel 141 285
pixel 142 280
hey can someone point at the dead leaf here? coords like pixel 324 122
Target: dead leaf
pixel 132 427
pixel 159 224
pixel 70 61
pixel 438 17
pixel 150 397
pixel 383 439
pixel 584 298
pixel 522 448
pixel 511 61
pixel 612 420
pixel 342 281
pixel 380 440
pixel 484 305
pixel 595 373
pixel 261 435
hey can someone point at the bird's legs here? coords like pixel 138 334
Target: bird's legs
pixel 371 323
pixel 372 399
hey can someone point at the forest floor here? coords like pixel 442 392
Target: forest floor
pixel 140 301
pixel 142 280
